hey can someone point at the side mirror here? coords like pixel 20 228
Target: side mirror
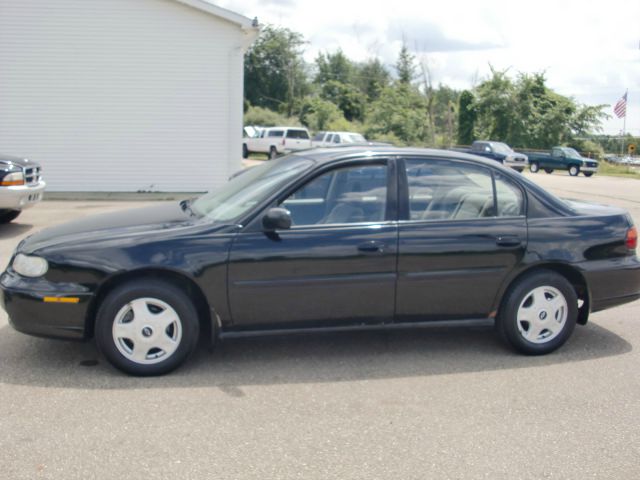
pixel 276 219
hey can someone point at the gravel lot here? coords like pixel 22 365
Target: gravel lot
pixel 433 403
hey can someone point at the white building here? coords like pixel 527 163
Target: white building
pixel 123 95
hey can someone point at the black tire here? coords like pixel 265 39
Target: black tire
pixel 534 167
pixel 273 153
pixel 7 216
pixel 548 170
pixel 519 170
pixel 587 174
pixel 574 170
pixel 245 151
pixel 512 329
pixel 119 299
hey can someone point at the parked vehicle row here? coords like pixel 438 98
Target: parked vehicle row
pixel 562 158
pixel 21 186
pixel 329 139
pixel 327 239
pixel 499 151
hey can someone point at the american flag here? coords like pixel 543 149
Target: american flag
pixel 621 107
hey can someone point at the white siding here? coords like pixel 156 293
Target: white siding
pixel 121 95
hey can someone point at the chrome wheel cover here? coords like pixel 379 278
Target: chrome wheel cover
pixel 147 331
pixel 542 314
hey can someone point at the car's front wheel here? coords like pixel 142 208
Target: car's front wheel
pixel 538 313
pixel 534 167
pixel 587 174
pixel 548 170
pixel 147 327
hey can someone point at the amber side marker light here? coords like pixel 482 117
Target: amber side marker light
pixel 11 183
pixel 632 238
pixel 61 299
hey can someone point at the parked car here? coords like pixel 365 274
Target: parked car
pixel 562 158
pixel 328 239
pixel 21 186
pixel 275 141
pixel 327 139
pixel 499 151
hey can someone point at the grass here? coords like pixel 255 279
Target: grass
pixel 606 168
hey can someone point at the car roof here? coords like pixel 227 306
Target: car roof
pixel 329 154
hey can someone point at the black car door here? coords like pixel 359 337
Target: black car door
pixel 337 262
pixel 462 229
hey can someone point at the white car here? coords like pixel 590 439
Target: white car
pixel 275 141
pixel 327 139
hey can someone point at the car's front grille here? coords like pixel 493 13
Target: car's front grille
pixel 592 164
pixel 32 175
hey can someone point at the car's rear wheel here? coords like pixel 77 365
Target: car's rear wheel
pixel 548 170
pixel 7 216
pixel 147 327
pixel 574 170
pixel 534 167
pixel 587 174
pixel 273 153
pixel 245 151
pixel 538 313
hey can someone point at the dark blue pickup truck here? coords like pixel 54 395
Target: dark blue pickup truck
pixel 562 158
pixel 497 151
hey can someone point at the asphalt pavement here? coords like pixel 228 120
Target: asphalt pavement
pixel 430 403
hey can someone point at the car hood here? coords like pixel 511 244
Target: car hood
pixel 139 221
pixel 22 162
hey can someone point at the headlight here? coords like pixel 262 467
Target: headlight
pixel 509 158
pixel 30 266
pixel 15 178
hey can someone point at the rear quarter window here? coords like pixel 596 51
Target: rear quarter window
pixel 275 133
pixel 302 134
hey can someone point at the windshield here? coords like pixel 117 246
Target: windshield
pixel 236 197
pixel 499 147
pixel 571 153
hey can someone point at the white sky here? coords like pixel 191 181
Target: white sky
pixel 590 50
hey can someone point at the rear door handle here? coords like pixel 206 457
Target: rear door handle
pixel 371 246
pixel 508 241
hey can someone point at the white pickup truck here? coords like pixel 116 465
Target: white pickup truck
pixel 328 139
pixel 21 186
pixel 276 140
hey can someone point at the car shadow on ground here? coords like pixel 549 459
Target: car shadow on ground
pixel 334 357
pixel 12 230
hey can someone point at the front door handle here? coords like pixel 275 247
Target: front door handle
pixel 371 247
pixel 508 241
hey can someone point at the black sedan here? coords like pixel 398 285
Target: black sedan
pixel 331 239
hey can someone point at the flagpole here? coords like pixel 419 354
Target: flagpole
pixel 624 121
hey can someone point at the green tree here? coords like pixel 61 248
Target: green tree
pixel 399 112
pixel 347 97
pixel 318 114
pixel 406 66
pixel 466 118
pixel 274 70
pixel 334 67
pixel 371 78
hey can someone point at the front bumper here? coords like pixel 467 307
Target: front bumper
pixel 585 168
pixel 516 163
pixel 612 282
pixel 20 197
pixel 24 301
